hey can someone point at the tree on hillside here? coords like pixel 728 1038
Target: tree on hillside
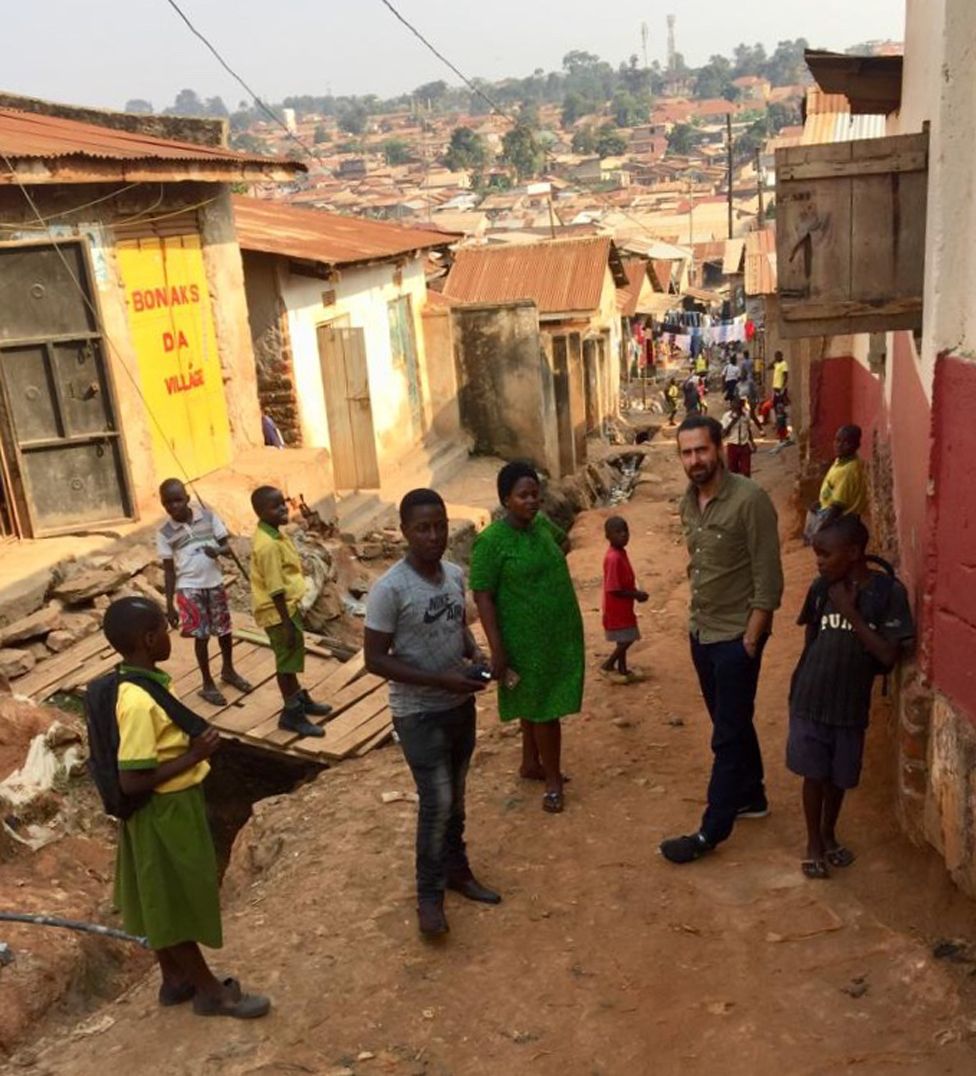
pixel 215 107
pixel 636 79
pixel 574 106
pixel 588 75
pixel 521 150
pixel 395 151
pixel 609 141
pixel 752 139
pixel 467 150
pixel 431 92
pixel 353 118
pixel 187 103
pixel 683 138
pixel 784 114
pixel 749 60
pixel 320 135
pixel 628 110
pixel 714 79
pixel 584 140
pixel 138 105
pixel 786 66
pixel 528 115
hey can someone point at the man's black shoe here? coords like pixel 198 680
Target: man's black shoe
pixel 314 709
pixel 293 719
pixel 685 849
pixel 469 886
pixel 759 809
pixel 431 919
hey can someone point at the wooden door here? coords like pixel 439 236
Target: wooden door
pixel 62 458
pixel 345 383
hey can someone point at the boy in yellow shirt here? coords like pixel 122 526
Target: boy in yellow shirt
pixel 277 586
pixel 166 871
pixel 845 489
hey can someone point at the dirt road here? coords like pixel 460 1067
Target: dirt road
pixel 603 959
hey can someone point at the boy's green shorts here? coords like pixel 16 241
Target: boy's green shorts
pixel 288 659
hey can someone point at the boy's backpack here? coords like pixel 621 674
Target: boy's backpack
pixel 874 611
pixel 101 697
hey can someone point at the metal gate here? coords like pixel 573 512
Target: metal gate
pixel 61 442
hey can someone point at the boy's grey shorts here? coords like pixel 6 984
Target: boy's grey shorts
pixel 825 752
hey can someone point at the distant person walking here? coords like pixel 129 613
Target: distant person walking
pixel 730 379
pixel 528 607
pixel 730 528
pixel 690 395
pixel 737 425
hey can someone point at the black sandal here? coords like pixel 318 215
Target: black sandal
pixel 814 868
pixel 552 802
pixel 840 856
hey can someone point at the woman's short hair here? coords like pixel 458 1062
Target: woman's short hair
pixel 511 474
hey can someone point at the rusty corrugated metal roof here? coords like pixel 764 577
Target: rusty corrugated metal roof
pixel 329 238
pixel 31 135
pixel 559 276
pixel 628 295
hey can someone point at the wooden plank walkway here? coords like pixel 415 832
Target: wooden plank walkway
pixel 360 719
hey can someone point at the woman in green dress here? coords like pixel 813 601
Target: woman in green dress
pixel 528 606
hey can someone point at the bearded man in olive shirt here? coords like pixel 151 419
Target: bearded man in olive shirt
pixel 736 582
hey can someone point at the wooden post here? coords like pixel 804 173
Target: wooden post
pixel 728 135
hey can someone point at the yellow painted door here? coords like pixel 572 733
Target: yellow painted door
pixel 171 322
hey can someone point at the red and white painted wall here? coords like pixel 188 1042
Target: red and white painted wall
pixel 919 420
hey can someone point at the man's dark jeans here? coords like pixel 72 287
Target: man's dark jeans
pixel 438 746
pixel 728 679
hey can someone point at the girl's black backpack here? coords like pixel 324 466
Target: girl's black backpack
pixel 101 697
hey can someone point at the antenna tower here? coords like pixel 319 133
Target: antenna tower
pixel 672 51
pixel 644 41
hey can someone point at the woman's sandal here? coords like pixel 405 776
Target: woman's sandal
pixel 840 856
pixel 814 868
pixel 552 802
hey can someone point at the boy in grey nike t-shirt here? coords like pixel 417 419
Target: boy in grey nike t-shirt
pixel 417 638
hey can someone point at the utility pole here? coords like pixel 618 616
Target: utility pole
pixel 728 134
pixel 759 188
pixel 644 42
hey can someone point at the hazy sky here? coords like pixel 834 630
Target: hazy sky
pixel 101 52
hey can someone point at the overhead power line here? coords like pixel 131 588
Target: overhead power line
pixel 237 78
pixel 495 107
pixel 470 83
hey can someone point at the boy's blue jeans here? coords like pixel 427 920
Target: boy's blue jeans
pixel 438 747
pixel 728 679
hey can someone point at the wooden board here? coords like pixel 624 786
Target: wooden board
pixel 349 731
pixel 363 734
pixel 340 702
pixel 40 682
pixel 378 740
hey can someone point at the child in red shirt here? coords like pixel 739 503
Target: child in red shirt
pixel 619 594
